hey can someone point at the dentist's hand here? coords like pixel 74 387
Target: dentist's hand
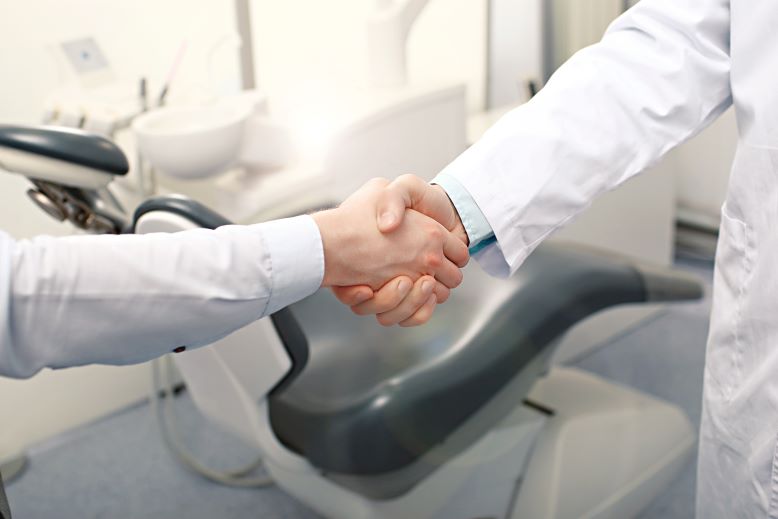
pixel 391 303
pixel 412 192
pixel 356 252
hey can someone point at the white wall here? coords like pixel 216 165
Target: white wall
pixel 515 50
pixel 303 42
pixel 297 41
pixel 140 38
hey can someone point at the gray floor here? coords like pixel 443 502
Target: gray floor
pixel 665 357
pixel 118 466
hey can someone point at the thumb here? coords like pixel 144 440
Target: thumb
pixel 405 192
pixel 390 209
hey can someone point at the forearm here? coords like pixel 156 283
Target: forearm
pixel 659 75
pixel 125 299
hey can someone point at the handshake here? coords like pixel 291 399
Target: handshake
pixel 393 249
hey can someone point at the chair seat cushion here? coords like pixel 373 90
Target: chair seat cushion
pixel 373 400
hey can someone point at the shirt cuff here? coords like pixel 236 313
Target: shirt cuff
pixel 477 227
pixel 296 255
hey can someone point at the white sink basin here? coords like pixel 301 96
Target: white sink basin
pixel 192 142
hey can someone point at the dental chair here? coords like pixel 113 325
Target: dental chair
pixel 462 418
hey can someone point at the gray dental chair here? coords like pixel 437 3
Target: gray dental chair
pixel 461 418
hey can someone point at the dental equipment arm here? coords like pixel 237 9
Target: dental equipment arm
pixel 388 29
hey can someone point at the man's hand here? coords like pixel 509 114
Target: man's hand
pixel 356 252
pixel 395 302
pixel 400 301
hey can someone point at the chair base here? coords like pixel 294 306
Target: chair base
pixel 12 467
pixel 607 451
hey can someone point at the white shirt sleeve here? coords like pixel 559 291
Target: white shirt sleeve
pixel 659 75
pixel 127 299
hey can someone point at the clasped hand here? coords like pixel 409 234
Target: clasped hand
pixel 393 249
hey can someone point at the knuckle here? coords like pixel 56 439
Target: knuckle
pixel 382 307
pixel 416 320
pixel 453 283
pixel 435 234
pixel 411 321
pixel 407 178
pixel 397 302
pixel 425 314
pixel 433 260
pixel 421 316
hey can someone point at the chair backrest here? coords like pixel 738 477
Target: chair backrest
pixel 63 156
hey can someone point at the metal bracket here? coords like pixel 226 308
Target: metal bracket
pixel 74 205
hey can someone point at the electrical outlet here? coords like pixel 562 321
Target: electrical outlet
pixel 85 56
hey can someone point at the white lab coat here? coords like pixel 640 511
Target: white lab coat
pixel 126 299
pixel 663 71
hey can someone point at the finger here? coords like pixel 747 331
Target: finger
pixel 446 272
pixel 390 210
pixel 428 199
pixel 455 250
pixel 386 298
pixel 423 314
pixel 412 188
pixel 442 292
pixel 377 182
pixel 353 295
pixel 422 290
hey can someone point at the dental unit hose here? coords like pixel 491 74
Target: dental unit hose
pixel 162 381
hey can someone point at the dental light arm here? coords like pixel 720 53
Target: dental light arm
pixel 388 29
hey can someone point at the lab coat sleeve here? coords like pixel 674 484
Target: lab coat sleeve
pixel 659 75
pixel 127 299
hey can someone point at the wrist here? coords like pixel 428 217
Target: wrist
pixel 456 227
pixel 334 239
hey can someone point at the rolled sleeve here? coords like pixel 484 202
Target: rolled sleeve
pixel 479 232
pixel 484 247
